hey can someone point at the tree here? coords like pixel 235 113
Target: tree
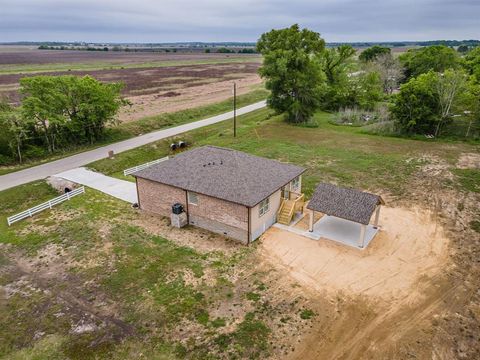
pixel 292 71
pixel 436 58
pixel 430 100
pixel 415 107
pixel 365 90
pixel 335 63
pixel 372 53
pixel 43 107
pixel 390 72
pixel 69 109
pixel 13 127
pixel 472 63
pixel 448 87
pixel 463 49
pixel 89 105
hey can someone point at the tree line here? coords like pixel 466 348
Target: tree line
pixel 425 88
pixel 56 113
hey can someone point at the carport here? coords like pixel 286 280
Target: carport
pixel 347 214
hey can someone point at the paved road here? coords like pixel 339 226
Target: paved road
pixel 121 189
pixel 84 158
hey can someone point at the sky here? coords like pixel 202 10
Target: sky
pixel 238 20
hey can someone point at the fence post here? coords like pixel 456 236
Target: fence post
pixel 49 204
pixel 30 212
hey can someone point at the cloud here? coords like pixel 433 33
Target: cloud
pixel 240 20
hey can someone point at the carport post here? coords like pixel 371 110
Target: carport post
pixel 361 240
pixel 377 215
pixel 312 215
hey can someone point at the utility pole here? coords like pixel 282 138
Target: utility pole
pixel 234 109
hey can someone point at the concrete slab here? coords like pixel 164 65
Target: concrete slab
pixel 121 189
pixel 332 228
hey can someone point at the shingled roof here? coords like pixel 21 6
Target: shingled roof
pixel 223 173
pixel 345 203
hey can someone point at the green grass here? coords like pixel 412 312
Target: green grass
pixel 54 67
pixel 339 154
pixel 306 314
pixel 469 179
pixel 144 278
pixel 128 130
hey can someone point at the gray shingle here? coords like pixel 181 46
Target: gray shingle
pixel 223 173
pixel 345 203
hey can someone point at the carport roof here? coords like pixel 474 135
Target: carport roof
pixel 345 203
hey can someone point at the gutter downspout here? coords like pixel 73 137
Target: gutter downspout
pixel 138 196
pixel 186 207
pixel 248 224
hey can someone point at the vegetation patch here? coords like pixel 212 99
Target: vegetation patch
pixel 469 179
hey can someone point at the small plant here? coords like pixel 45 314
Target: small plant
pixel 252 296
pixel 475 225
pixel 306 314
pixel 218 322
pixel 202 317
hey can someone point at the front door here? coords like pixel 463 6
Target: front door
pixel 285 193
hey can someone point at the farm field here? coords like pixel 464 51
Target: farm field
pixel 155 83
pixel 95 278
pixel 164 89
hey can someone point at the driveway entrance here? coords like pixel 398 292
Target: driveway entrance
pixel 121 189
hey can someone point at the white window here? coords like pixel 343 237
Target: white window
pixel 263 207
pixel 296 183
pixel 192 198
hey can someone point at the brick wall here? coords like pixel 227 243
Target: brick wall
pixel 220 216
pixel 226 212
pixel 216 215
pixel 158 198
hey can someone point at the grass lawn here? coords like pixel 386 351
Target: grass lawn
pixel 134 128
pixel 339 154
pixel 96 285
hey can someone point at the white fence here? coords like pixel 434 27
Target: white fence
pixel 46 205
pixel 143 166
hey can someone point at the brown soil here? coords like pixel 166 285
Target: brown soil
pixel 153 81
pixel 196 238
pixel 413 294
pixel 185 98
pixel 469 161
pixel 410 246
pixel 49 273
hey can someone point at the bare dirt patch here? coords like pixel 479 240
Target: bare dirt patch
pixel 469 161
pixel 410 245
pixel 198 239
pixel 185 98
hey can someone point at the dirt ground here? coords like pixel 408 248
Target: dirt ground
pixel 410 246
pixel 142 85
pixel 186 98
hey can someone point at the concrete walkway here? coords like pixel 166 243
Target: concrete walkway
pixel 121 189
pixel 332 228
pixel 84 158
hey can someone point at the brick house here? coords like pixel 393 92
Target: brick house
pixel 223 190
